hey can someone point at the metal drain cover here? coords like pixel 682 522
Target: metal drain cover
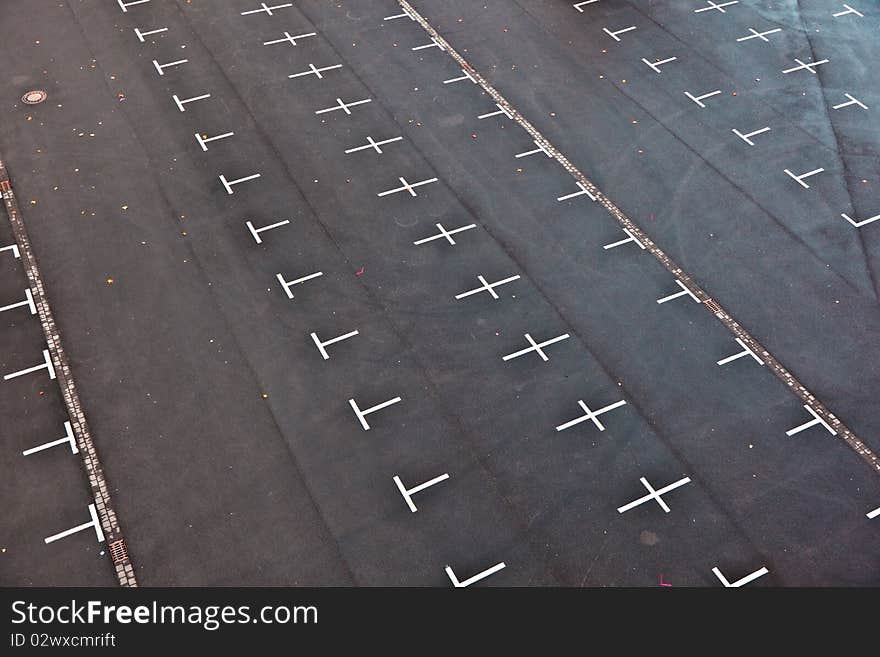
pixel 34 97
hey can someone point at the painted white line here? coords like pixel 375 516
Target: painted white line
pixel 361 415
pixel 265 9
pixel 374 145
pixel 161 67
pixel 614 34
pixel 811 423
pixel 578 5
pixel 434 44
pixel 255 232
pixel 229 183
pixel 759 35
pixel 445 234
pixel 656 65
pixel 487 287
pixel 748 138
pixel 591 415
pixel 851 101
pixel 699 99
pixel 320 345
pixel 745 352
pixel 656 495
pixel 584 192
pixel 537 348
pixel 14 249
pixel 68 438
pixel 408 493
pixel 873 514
pixel 47 365
pixel 849 10
pixel 489 571
pixel 501 110
pixel 344 106
pixel 407 187
pixel 125 5
pixel 28 301
pixel 540 149
pixel 800 179
pixel 630 238
pixel 720 7
pixel 405 14
pixel 466 76
pixel 290 39
pixel 141 35
pixel 181 103
pixel 863 222
pixel 315 71
pixel 740 582
pixel 203 141
pixel 93 523
pixel 297 281
pixel 684 291
pixel 806 66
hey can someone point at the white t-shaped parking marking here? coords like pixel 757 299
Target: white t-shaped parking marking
pixel 289 284
pixel 434 44
pixel 487 287
pixel 46 365
pixel 266 9
pixel 684 291
pixel 476 578
pixel 255 232
pixel 229 183
pixel 68 438
pixel 591 415
pixel 361 415
pixel 629 238
pixel 614 34
pixel 656 65
pixel 204 141
pixel 161 67
pixel 699 99
pixel 466 76
pixel 583 192
pixel 849 10
pixel 445 234
pixel 125 5
pixel 748 138
pixel 28 301
pixel 320 345
pixel 745 352
pixel 740 582
pixel 501 110
pixel 851 101
pixel 812 423
pixel 540 149
pixel 290 39
pixel 654 495
pixel 93 523
pixel 578 5
pixel 799 179
pixel 405 14
pixel 408 493
pixel 537 348
pixel 141 35
pixel 180 103
pixel 407 187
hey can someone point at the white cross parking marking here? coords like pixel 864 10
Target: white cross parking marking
pixel 591 415
pixel 407 494
pixel 614 34
pixel 746 352
pixel 407 187
pixel 315 71
pixel 361 415
pixel 320 345
pixel 863 222
pixel 537 348
pixel 811 423
pixel 47 365
pixel 851 101
pixel 203 141
pixel 344 106
pixel 740 582
pixel 268 10
pixel 289 284
pixel 94 522
pixel 229 183
pixel 374 145
pixel 684 291
pixel 434 44
pixel 630 238
pixel 656 65
pixel 68 438
pixel 540 149
pixel 290 39
pixel 447 234
pixel 181 103
pixel 501 110
pixel 720 7
pixel 125 5
pixel 466 76
pixel 759 35
pixel 160 67
pixel 800 179
pixel 656 495
pixel 489 571
pixel 873 514
pixel 747 138
pixel 28 301
pixel 141 35
pixel 487 287
pixel 808 66
pixel 849 10
pixel 578 5
pixel 584 191
pixel 698 99
pixel 13 248
pixel 256 231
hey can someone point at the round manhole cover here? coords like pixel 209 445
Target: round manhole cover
pixel 34 97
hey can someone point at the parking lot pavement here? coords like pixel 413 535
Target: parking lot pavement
pixel 363 329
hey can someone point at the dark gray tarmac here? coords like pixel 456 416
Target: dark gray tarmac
pixel 231 450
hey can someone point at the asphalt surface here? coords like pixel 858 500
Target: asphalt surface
pixel 229 443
